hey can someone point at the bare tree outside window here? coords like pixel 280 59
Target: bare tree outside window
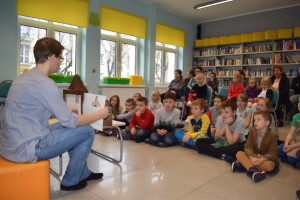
pixel 108 59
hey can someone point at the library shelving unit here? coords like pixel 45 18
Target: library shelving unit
pixel 255 58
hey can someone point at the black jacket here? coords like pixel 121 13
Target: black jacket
pixel 284 85
pixel 296 85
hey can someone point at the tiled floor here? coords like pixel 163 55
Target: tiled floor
pixel 149 172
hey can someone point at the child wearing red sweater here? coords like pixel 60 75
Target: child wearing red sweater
pixel 142 123
pixel 235 88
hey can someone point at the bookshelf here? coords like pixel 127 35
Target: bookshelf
pixel 256 58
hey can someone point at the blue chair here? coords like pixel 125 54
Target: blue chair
pixel 223 92
pixel 208 96
pixel 4 89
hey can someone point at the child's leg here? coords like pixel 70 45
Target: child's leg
pixel 142 134
pixel 244 159
pixel 155 138
pixel 204 146
pixel 180 134
pixel 170 139
pixel 281 153
pixel 266 166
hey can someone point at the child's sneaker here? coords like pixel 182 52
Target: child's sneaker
pixel 258 176
pixel 227 158
pixel 237 167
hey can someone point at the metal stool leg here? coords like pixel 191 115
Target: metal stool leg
pixel 60 166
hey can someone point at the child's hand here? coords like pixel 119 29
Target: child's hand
pixel 253 160
pixel 186 138
pixel 133 131
pixel 287 148
pixel 228 120
pixel 246 126
pixel 162 132
pixel 250 99
pixel 138 113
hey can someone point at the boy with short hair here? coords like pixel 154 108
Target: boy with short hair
pixel 199 125
pixel 127 114
pixel 166 119
pixel 142 122
pixel 260 150
pixel 214 112
pixel 229 136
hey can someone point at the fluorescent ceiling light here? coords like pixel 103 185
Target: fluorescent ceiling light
pixel 211 3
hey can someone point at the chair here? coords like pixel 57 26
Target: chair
pixel 208 97
pixel 4 89
pixel 223 92
pixel 274 105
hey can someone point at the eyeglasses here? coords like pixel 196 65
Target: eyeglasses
pixel 61 59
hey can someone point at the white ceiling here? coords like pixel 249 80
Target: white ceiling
pixel 185 8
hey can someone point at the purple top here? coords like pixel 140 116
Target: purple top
pixel 252 92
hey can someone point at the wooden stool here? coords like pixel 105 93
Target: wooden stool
pixel 24 180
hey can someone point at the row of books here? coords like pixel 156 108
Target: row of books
pixel 204 63
pixel 229 50
pixel 257 61
pixel 258 72
pixel 285 45
pixel 257 48
pixel 226 62
pixel 207 52
pixel 280 58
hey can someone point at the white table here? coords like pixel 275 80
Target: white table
pixel 115 124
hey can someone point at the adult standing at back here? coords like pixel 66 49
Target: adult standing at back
pixel 294 98
pixel 176 85
pixel 25 135
pixel 281 83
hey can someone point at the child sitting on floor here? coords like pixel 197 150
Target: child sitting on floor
pixel 266 91
pixel 165 122
pixel 260 150
pixel 290 151
pixel 127 114
pixel 155 102
pixel 142 123
pixel 115 105
pixel 244 112
pixel 229 136
pixel 198 125
pixel 214 112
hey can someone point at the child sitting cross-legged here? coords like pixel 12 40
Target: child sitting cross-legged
pixel 127 114
pixel 155 102
pixel 229 136
pixel 235 88
pixel 244 112
pixel 214 112
pixel 142 123
pixel 260 151
pixel 166 119
pixel 199 125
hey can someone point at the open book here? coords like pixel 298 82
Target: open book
pixel 92 103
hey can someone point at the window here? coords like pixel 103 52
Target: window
pixel 165 62
pixel 32 29
pixel 118 54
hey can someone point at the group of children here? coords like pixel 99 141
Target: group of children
pixel 239 130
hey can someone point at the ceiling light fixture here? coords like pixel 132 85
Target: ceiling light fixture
pixel 211 3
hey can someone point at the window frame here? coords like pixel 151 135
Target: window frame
pixel 50 27
pixel 164 48
pixel 119 40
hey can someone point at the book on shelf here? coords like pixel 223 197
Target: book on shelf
pixel 258 72
pixel 257 48
pixel 286 45
pixel 226 62
pixel 229 50
pixel 225 72
pixel 257 61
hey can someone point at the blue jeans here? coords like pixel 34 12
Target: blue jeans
pixel 169 138
pixel 180 134
pixel 77 141
pixel 282 154
pixel 140 135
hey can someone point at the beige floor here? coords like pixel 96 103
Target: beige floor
pixel 154 173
